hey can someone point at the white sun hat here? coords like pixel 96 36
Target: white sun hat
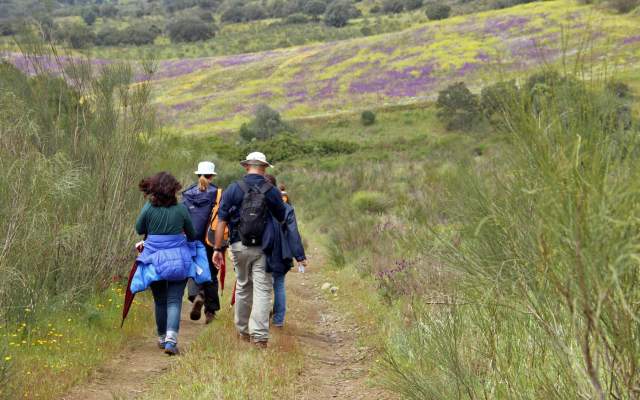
pixel 206 168
pixel 256 158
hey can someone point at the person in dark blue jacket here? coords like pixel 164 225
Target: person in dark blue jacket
pixel 200 199
pixel 282 244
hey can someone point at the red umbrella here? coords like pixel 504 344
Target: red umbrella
pixel 223 270
pixel 128 296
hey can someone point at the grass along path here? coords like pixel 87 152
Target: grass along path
pixel 317 355
pixel 125 376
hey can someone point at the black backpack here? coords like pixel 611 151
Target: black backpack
pixel 253 213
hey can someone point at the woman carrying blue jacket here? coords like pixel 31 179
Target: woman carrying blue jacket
pixel 166 256
pixel 282 244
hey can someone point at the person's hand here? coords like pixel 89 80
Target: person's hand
pixel 218 258
pixel 304 262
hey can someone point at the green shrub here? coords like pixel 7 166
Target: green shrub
pixel 339 13
pixel 266 124
pixel 368 118
pixel 253 12
pixel 392 6
pixel 457 107
pixel 190 29
pixel 372 202
pixel 77 35
pixel 495 98
pixel 411 5
pixel 296 19
pixel 435 11
pixel 315 8
pixel 624 6
pixel 89 17
pixel 619 89
pixel 234 13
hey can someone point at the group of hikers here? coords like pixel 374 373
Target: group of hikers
pixel 186 243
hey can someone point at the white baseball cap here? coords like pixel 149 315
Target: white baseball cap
pixel 256 158
pixel 206 168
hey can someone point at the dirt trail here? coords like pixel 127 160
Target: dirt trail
pixel 334 365
pixel 126 376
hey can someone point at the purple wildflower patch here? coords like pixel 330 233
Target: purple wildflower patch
pixel 631 40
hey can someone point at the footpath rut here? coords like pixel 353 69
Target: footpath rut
pixel 335 366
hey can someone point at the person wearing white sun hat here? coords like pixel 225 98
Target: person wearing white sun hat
pixel 245 208
pixel 200 199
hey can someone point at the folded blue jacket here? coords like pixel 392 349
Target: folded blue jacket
pixel 282 243
pixel 170 258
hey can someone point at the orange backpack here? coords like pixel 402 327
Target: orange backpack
pixel 211 231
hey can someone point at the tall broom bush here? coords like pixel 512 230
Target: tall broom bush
pixel 73 145
pixel 548 262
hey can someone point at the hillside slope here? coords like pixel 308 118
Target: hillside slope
pixel 210 94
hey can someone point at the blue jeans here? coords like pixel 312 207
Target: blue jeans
pixel 279 299
pixel 167 297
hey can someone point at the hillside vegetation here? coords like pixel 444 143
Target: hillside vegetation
pixel 210 94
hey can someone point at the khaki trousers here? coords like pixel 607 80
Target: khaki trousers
pixel 253 291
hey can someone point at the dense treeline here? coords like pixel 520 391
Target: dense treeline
pixel 111 23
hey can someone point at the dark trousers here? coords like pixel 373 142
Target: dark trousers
pixel 209 290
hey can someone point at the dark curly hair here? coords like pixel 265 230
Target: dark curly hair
pixel 161 189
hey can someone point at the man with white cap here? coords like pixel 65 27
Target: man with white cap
pixel 245 207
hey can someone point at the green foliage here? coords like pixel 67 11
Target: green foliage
pixel 339 13
pixel 137 35
pixel 495 98
pixel 392 6
pixel 190 29
pixel 411 5
pixel 70 155
pixel 77 35
pixel 543 277
pixel 457 107
pixel 368 201
pixel 315 8
pixel 437 11
pixel 234 13
pixel 296 19
pixel 368 118
pixel 266 124
pixel 624 6
pixel 89 16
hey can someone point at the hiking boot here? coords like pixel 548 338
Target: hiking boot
pixel 261 344
pixel 161 344
pixel 171 349
pixel 196 310
pixel 280 326
pixel 208 317
pixel 244 337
